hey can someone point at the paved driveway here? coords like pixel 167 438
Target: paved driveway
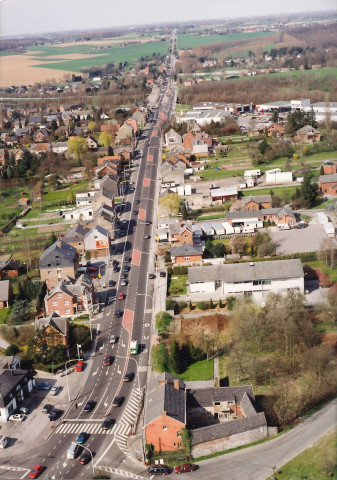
pixel 295 241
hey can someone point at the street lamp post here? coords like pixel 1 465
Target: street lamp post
pixel 78 350
pixel 52 367
pixel 70 360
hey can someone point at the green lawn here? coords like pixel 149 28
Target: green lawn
pixel 63 195
pixel 279 191
pixel 3 314
pixel 202 370
pixel 177 282
pixel 213 173
pixel 316 462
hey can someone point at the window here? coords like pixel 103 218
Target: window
pixel 49 272
pixel 59 295
pixel 174 444
pixel 187 258
pixel 54 303
pixel 216 403
pixel 179 434
pixel 67 310
pixel 180 445
pixel 164 427
pixel 66 302
pixel 49 265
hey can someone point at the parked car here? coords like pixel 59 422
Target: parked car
pixel 159 470
pixel 128 377
pixel 121 296
pixel 81 438
pixel 134 212
pixel 108 360
pixel 118 313
pixel 46 408
pixel 84 458
pixel 17 417
pixel 162 274
pixel 126 268
pixel 107 423
pixel 116 269
pixel 42 386
pixel 54 390
pixel 147 237
pixel 124 283
pixel 55 414
pixel 186 467
pixel 147 222
pixel 92 269
pixel 37 470
pixel 119 252
pixel 23 410
pixel 79 366
pixel 89 406
pixel 127 260
pixel 117 401
pixel 152 275
pixel 112 283
pixel 123 276
pixel 137 202
pixel 113 339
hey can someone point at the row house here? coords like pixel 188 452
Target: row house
pixel 75 238
pixel 70 297
pixel 257 202
pixel 57 262
pixel 329 167
pixel 56 328
pixel 328 184
pixel 97 242
pixel 282 215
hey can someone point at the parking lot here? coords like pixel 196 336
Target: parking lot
pixel 297 241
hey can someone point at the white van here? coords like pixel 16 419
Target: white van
pixel 283 226
pixel 72 450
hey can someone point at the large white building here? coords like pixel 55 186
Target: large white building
pixel 250 279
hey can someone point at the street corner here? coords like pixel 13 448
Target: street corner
pixel 128 321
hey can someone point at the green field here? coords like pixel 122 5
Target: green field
pixel 202 370
pixel 191 41
pixel 114 55
pixel 316 462
pixel 177 282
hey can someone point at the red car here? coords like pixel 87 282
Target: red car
pixel 79 366
pixel 92 275
pixel 121 296
pixel 186 467
pixel 37 470
pixel 92 269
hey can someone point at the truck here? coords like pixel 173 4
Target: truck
pixel 134 345
pixel 3 441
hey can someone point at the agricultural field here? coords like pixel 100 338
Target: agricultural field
pixel 192 41
pixel 54 61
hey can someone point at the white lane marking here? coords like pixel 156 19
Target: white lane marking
pixel 95 373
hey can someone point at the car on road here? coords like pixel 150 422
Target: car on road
pixel 92 275
pixel 152 276
pixel 84 458
pixel 121 296
pixel 81 438
pixel 79 366
pixel 113 339
pixel 147 222
pixel 37 470
pixel 117 401
pixel 107 423
pixel 136 164
pixel 162 274
pixel 137 202
pixel 186 467
pixel 128 377
pixel 123 276
pixel 23 410
pixel 118 313
pixel 92 269
pixel 147 237
pixel 116 269
pixel 54 390
pixel 42 386
pixel 16 417
pixel 112 283
pixel 126 268
pixel 124 283
pixel 108 360
pixel 46 408
pixel 159 470
pixel 127 260
pixel 55 414
pixel 134 212
pixel 89 406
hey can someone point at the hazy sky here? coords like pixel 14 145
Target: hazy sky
pixel 37 16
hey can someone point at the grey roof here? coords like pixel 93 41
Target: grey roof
pixel 185 249
pixel 76 234
pixel 10 264
pixel 258 213
pixel 71 287
pixel 9 379
pixel 7 361
pixel 4 290
pixel 257 199
pixel 226 429
pixel 108 213
pixel 98 229
pixel 206 396
pixel 239 272
pixel 162 396
pixel 60 324
pixel 60 253
pixel 328 178
pixel 308 129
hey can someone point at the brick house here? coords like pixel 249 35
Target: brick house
pixel 6 293
pixel 328 184
pixel 70 297
pixel 115 160
pixel 106 169
pixel 56 327
pixel 111 128
pixel 328 167
pixel 280 215
pixel 165 412
pixel 275 130
pixel 257 202
pixel 179 234
pixel 4 158
pixel 308 134
pixel 186 254
pixel 8 267
pixel 58 261
pixel 187 140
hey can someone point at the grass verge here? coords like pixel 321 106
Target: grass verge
pixel 198 371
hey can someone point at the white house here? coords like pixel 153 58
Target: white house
pixel 85 198
pixel 275 176
pixel 251 279
pixel 97 242
pixel 14 387
pixel 82 214
pixel 59 147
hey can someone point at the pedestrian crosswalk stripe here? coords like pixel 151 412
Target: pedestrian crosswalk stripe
pixel 90 429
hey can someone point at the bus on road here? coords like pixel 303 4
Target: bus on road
pixel 134 347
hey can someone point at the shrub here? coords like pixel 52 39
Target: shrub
pixel 202 305
pixel 220 303
pixel 211 304
pixel 190 306
pixel 160 358
pixel 171 305
pixel 182 305
pixel 163 320
pixel 230 302
pixel 175 290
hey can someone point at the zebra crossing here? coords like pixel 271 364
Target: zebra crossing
pixel 142 369
pixel 90 428
pixel 128 420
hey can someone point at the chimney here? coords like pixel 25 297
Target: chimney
pixel 176 384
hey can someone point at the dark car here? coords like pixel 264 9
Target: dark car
pixel 116 269
pixel 137 201
pixel 119 252
pixel 84 458
pixel 147 237
pixel 134 212
pixel 123 276
pixel 128 377
pixel 81 438
pixel 126 268
pixel 54 414
pixel 186 467
pixel 107 423
pixel 108 360
pixel 89 406
pixel 127 260
pixel 162 274
pixel 118 313
pixel 46 408
pixel 152 275
pixel 147 222
pixel 117 401
pixel 112 283
pixel 159 470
